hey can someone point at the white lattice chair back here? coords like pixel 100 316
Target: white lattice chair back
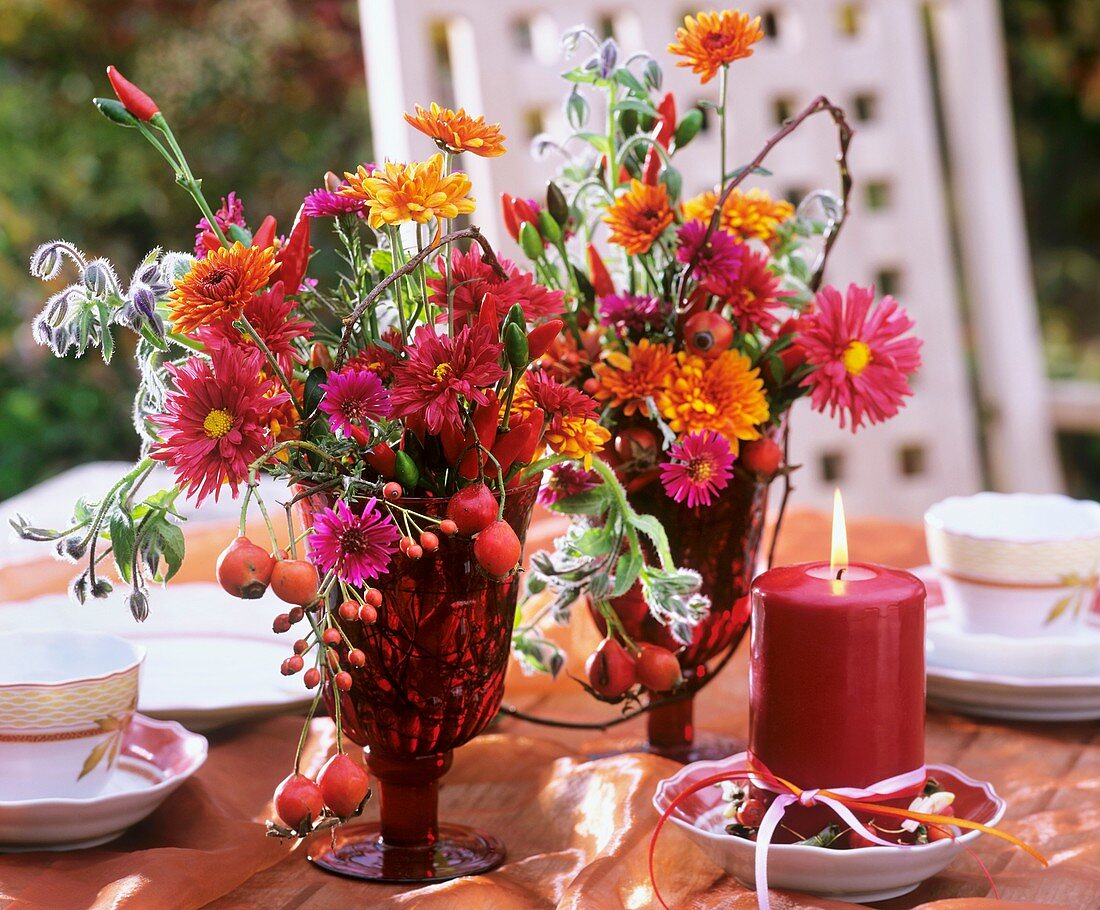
pixel 503 58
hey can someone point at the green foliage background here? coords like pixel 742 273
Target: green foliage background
pixel 268 94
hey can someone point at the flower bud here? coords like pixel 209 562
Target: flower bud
pixel 530 240
pixel 46 261
pixel 673 182
pixel 548 227
pixel 78 588
pixel 102 589
pixel 653 75
pixel 138 604
pixel 333 182
pixel 608 57
pixel 133 99
pixel 144 302
pixel 576 109
pixel 99 278
pixel 556 204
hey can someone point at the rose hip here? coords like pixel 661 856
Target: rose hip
pixel 295 581
pixel 281 623
pixel 471 509
pixel 367 614
pixel 331 636
pixel 373 597
pixel 448 528
pixel 298 802
pixel 312 678
pixel 244 569
pixel 415 551
pixel 301 646
pixel 343 680
pixel 611 671
pixel 295 663
pixel 658 668
pixel 497 549
pixel 751 813
pixel 356 657
pixel 761 456
pixel 348 610
pixel 392 491
pixel 344 785
pixel 429 541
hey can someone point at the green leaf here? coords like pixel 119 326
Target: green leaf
pixel 626 78
pixel 635 104
pixel 590 502
pixel 152 337
pixel 172 547
pixel 240 234
pixel 313 394
pixel 626 571
pixel 106 339
pixel 595 542
pixel 382 261
pixel 757 171
pixel 122 541
pixel 598 141
pixel 652 529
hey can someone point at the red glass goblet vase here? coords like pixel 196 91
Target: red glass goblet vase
pixel 433 680
pixel 721 542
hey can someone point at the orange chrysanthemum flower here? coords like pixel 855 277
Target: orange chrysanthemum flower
pixel 710 41
pixel 457 131
pixel 725 394
pixel 638 216
pixel 410 192
pixel 745 215
pixel 577 437
pixel 219 285
pixel 627 380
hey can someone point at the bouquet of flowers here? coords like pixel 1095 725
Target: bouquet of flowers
pixel 696 323
pixel 396 402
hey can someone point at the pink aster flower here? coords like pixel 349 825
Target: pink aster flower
pixel 566 479
pixel 438 370
pixel 753 295
pixel 272 315
pixel 472 277
pixel 701 465
pixel 324 203
pixel 358 546
pixel 354 397
pixel 231 212
pixel 862 364
pixel 718 260
pixel 215 422
pixel 632 312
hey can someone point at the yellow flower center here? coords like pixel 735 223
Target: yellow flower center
pixel 700 469
pixel 218 422
pixel 856 357
pixel 442 371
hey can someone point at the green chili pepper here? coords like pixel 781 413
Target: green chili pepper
pixel 530 240
pixel 549 228
pixel 406 471
pixel 515 345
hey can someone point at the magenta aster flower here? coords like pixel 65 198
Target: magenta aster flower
pixel 718 260
pixel 862 364
pixel 701 465
pixel 632 312
pixel 324 203
pixel 231 212
pixel 357 546
pixel 215 423
pixel 566 479
pixel 753 295
pixel 354 397
pixel 438 370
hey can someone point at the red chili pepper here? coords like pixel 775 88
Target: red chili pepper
pixel 524 212
pixel 360 436
pixel 541 337
pixel 133 99
pixel 508 208
pixel 518 445
pixel 488 314
pixel 265 233
pixel 453 441
pixel 601 278
pixel 416 425
pixel 294 257
pixel 666 129
pixel 382 458
pixel 484 426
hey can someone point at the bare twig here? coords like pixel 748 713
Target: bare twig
pixel 350 321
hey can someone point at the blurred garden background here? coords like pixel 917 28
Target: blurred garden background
pixel 253 87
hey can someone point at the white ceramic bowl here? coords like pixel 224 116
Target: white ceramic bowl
pixel 1016 564
pixel 66 699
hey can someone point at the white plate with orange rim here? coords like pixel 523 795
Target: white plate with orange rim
pixel 211 659
pixel 155 759
pixel 1054 678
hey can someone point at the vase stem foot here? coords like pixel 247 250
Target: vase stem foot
pixel 359 852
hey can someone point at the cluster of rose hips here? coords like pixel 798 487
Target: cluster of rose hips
pixel 613 671
pixel 304 805
pixel 473 512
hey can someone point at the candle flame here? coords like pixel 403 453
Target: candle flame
pixel 838 556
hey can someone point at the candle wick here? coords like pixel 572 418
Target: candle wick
pixel 840 573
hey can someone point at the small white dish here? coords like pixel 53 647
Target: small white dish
pixel 66 698
pixel 1065 698
pixel 1016 564
pixel 212 659
pixel 155 759
pixel 858 876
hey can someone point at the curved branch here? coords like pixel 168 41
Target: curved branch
pixel 473 233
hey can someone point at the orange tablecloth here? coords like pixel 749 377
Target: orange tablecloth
pixel 576 830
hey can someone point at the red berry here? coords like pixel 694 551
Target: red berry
pixel 295 663
pixel 298 802
pixel 761 456
pixel 344 785
pixel 312 678
pixel 296 614
pixel 367 614
pixel 497 549
pixel 343 680
pixel 404 543
pixel 284 667
pixel 471 509
pixel 244 569
pixel 392 491
pixel 415 551
pixel 658 668
pixel 708 334
pixel 331 636
pixel 942 832
pixel 751 813
pixel 281 623
pixel 295 581
pixel 429 541
pixel 636 444
pixel 356 657
pixel 611 671
pixel 857 840
pixel 448 528
pixel 373 597
pixel 301 646
pixel 349 609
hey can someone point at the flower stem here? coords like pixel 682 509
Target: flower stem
pixel 723 93
pixel 187 180
pixel 247 328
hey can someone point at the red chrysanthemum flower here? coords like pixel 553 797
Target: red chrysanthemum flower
pixel 701 465
pixel 215 423
pixel 357 546
pixel 438 370
pixel 718 260
pixel 352 398
pixel 472 277
pixel 555 399
pixel 753 294
pixel 379 358
pixel 271 315
pixel 862 364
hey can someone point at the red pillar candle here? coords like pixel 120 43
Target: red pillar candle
pixel 837 674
